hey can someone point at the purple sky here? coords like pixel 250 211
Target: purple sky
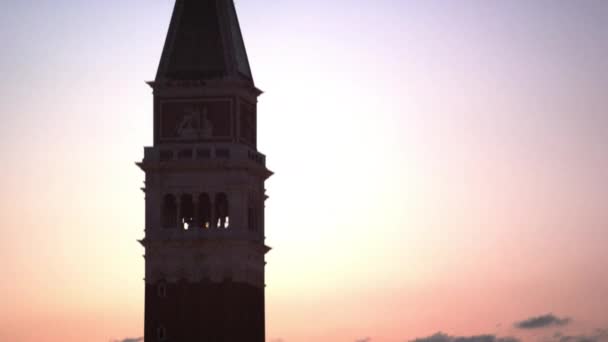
pixel 451 154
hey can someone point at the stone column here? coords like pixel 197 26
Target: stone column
pixel 197 224
pixel 212 220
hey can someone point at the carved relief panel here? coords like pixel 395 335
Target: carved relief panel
pixel 196 120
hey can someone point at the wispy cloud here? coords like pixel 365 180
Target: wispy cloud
pixel 366 339
pixel 599 335
pixel 542 322
pixel 441 337
pixel 138 339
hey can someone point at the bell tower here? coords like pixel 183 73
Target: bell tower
pixel 204 185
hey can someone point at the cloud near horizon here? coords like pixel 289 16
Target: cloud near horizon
pixel 542 322
pixel 599 335
pixel 366 339
pixel 441 337
pixel 137 339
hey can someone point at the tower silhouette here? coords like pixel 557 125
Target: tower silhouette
pixel 204 185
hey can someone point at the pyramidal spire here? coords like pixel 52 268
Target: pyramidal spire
pixel 204 42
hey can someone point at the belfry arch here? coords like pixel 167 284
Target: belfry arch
pixel 204 211
pixel 222 210
pixel 186 212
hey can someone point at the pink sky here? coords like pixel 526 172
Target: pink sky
pixel 440 166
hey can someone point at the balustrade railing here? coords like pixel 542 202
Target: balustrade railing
pixel 200 153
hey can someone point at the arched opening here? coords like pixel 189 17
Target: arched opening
pixel 161 289
pixel 161 333
pixel 204 211
pixel 169 212
pixel 186 212
pixel 222 211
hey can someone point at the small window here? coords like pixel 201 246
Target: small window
pixel 162 333
pixel 161 290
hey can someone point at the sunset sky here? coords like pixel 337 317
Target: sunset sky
pixel 440 166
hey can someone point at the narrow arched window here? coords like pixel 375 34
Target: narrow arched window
pixel 204 211
pixel 161 333
pixel 222 211
pixel 186 212
pixel 161 289
pixel 169 212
